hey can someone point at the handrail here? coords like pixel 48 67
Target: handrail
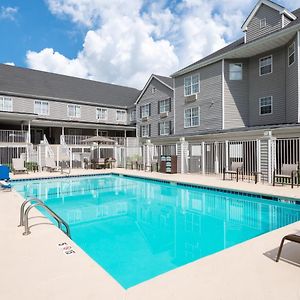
pixel 24 216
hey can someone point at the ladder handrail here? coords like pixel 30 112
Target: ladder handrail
pixel 25 218
pixel 31 199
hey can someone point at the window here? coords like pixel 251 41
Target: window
pixel 265 105
pixel 74 111
pixel 6 104
pixel 262 23
pixel 291 53
pixel 41 108
pixel 191 85
pixel 145 130
pixel 265 65
pixel 236 71
pixel 164 128
pixel 191 117
pixel 133 115
pixel 101 113
pixel 121 115
pixel 153 90
pixel 145 110
pixel 164 106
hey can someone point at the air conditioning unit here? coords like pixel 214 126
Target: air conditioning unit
pixel 189 99
pixel 144 119
pixel 164 114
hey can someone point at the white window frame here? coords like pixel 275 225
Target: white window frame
pixel 291 54
pixel 164 132
pixel 263 23
pixel 145 113
pixel 191 85
pixel 260 106
pixel 3 99
pixel 231 72
pixel 40 111
pixel 132 116
pixel 260 66
pixel 77 108
pixel 165 104
pixel 147 132
pixel 121 112
pixel 191 121
pixel 101 111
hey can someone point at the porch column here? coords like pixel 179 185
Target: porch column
pixel 203 157
pixel 28 133
pixel 97 132
pixel 184 147
pixel 216 145
pixel 125 133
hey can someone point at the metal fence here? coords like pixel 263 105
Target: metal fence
pixel 8 153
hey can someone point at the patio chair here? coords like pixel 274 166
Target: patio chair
pixel 290 237
pixel 287 174
pixel 154 165
pixel 98 164
pixel 50 165
pixel 236 169
pixel 18 166
pixel 140 165
pixel 4 178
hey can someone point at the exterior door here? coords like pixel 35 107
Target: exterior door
pixel 37 135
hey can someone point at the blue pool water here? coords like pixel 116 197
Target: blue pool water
pixel 137 229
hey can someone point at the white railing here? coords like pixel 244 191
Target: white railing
pixel 48 150
pixel 13 136
pixel 79 139
pixel 64 147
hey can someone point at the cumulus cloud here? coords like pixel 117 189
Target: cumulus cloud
pixel 128 40
pixel 8 12
pixel 10 63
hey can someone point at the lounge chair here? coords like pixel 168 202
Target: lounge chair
pixel 287 174
pixel 236 169
pixel 290 237
pixel 18 166
pixel 4 178
pixel 50 165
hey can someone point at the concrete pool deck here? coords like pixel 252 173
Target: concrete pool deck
pixel 34 267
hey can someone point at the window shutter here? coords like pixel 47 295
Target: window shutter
pixel 170 127
pixel 149 130
pixel 158 133
pixel 170 105
pixel 140 131
pixel 149 109
pixel 140 112
pixel 158 107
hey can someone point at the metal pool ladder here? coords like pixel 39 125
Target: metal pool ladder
pixel 24 216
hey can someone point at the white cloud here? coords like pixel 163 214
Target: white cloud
pixel 10 63
pixel 129 40
pixel 8 13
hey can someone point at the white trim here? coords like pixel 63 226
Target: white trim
pixel 68 111
pixel 192 126
pixel 174 106
pixel 104 108
pixel 259 106
pixel 12 104
pixel 199 82
pixel 259 67
pixel 282 20
pixel 236 63
pixel 42 102
pixel 149 112
pixel 260 23
pixel 146 86
pixel 223 94
pixel 298 60
pixel 293 43
pixel 273 5
pixel 123 111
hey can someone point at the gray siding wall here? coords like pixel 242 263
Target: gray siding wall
pixel 268 85
pixel 292 86
pixel 162 92
pixel 236 97
pixel 273 19
pixel 59 111
pixel 209 100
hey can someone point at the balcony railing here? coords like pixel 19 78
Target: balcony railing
pixel 13 136
pixel 79 139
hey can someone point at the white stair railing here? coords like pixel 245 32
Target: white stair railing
pixel 48 150
pixel 65 151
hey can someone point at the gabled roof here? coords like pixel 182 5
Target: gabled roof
pixel 281 10
pixel 237 45
pixel 29 83
pixel 166 81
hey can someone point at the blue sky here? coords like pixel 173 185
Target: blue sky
pixel 118 41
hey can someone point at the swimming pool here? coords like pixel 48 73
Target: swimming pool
pixel 137 229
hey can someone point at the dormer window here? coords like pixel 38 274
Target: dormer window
pixel 262 23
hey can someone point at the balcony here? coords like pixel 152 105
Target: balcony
pixel 79 139
pixel 13 136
